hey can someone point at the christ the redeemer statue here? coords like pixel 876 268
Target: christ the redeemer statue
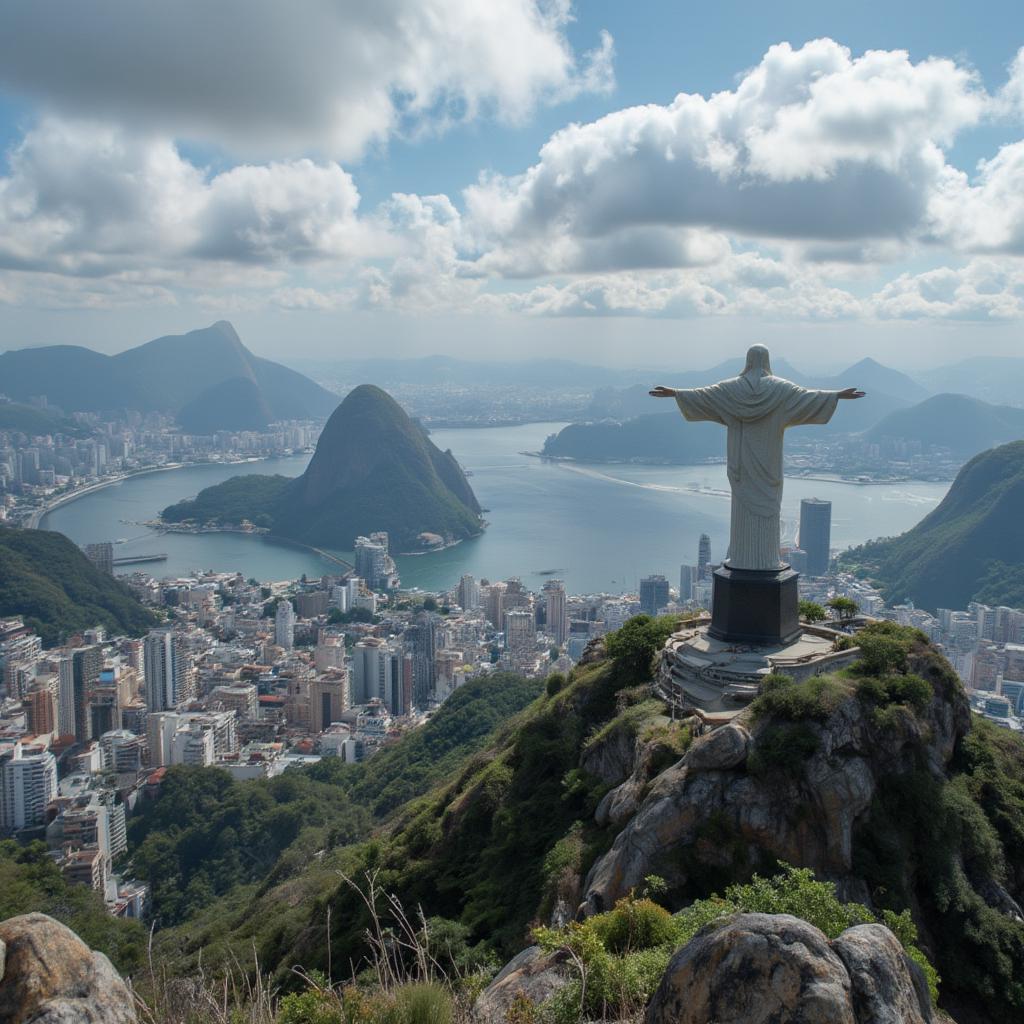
pixel 756 408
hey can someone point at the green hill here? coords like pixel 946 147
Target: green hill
pixel 522 824
pixel 964 425
pixel 233 404
pixel 170 374
pixel 373 469
pixel 48 580
pixel 969 548
pixel 659 438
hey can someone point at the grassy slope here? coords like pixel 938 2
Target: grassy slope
pixel 955 552
pixel 485 847
pixel 48 580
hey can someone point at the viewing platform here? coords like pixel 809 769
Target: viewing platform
pixel 717 679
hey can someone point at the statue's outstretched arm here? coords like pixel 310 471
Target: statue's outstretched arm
pixel 662 392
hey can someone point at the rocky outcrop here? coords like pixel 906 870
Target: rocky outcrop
pixel 737 797
pixel 764 968
pixel 719 751
pixel 531 977
pixel 49 976
pixel 888 987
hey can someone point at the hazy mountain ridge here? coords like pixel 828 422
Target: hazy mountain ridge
pixel 374 469
pixel 167 375
pixel 971 543
pixel 963 424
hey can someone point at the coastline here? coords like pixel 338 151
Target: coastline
pixel 33 521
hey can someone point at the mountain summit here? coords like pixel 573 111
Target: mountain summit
pixel 374 469
pixel 206 378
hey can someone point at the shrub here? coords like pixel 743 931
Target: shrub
pixel 422 1003
pixel 634 645
pixel 909 690
pixel 880 654
pixel 815 698
pixel 555 683
pixel 784 747
pixel 810 611
pixel 634 924
pixel 314 1006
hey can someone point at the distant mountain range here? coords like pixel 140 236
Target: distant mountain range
pixel 962 424
pixel 46 579
pixel 207 379
pixel 970 548
pixel 895 407
pixel 374 469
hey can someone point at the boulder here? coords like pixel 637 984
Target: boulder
pixel 51 977
pixel 754 969
pixel 532 976
pixel 888 987
pixel 720 750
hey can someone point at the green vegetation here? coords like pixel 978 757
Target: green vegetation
pixel 369 452
pixel 634 645
pixel 48 580
pixel 253 497
pixel 843 607
pixel 658 437
pixel 810 611
pixel 970 546
pixel 208 834
pixel 31 882
pixel 503 831
pixel 624 953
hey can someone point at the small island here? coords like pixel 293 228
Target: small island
pixel 374 469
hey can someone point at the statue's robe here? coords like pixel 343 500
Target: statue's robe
pixel 756 410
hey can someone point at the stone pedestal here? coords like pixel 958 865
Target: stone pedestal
pixel 755 606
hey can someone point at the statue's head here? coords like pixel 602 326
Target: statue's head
pixel 758 363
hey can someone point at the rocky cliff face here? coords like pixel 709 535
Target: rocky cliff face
pixel 49 976
pixel 736 799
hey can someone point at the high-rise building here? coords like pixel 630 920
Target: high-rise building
pixel 703 556
pixel 555 611
pixel 328 698
pixel 42 716
pixel 420 638
pixel 815 534
pixel 469 593
pixel 28 782
pixel 371 668
pixel 284 625
pixel 687 579
pixel 86 663
pixel 102 556
pixel 373 562
pixel 168 670
pixel 653 594
pixel 495 604
pixel 520 631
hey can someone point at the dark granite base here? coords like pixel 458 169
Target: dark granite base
pixel 753 606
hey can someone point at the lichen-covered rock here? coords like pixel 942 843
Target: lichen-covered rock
pixel 51 977
pixel 531 976
pixel 888 987
pixel 719 750
pixel 755 969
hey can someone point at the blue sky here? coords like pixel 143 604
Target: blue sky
pixel 404 178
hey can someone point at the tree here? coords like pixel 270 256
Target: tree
pixel 429 604
pixel 811 611
pixel 843 608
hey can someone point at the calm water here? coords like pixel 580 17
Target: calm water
pixel 599 527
